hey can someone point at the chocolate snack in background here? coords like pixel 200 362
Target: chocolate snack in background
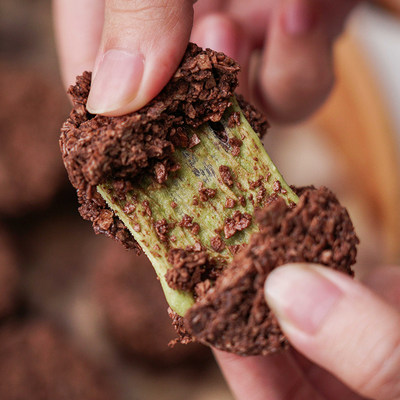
pixel 38 363
pixel 135 309
pixel 32 109
pixel 392 5
pixel 9 275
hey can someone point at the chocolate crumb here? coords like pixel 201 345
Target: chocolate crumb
pixel 136 228
pixel 242 201
pixel 202 288
pixel 276 187
pixel 235 151
pixel 186 222
pixel 188 268
pixel 129 208
pixel 238 222
pixel 226 175
pixel 162 228
pixel 194 140
pixel 235 142
pixel 234 119
pixel 217 244
pixel 256 118
pixel 147 209
pixel 255 184
pixel 230 203
pixel 195 229
pixel 261 195
pixel 205 194
pixel 234 249
pixel 161 172
pixel 178 323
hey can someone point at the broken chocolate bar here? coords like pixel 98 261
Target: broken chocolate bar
pixel 187 180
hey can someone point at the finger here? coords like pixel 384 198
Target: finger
pixel 385 281
pixel 142 45
pixel 254 16
pixel 204 7
pixel 258 378
pixel 221 32
pixel 78 25
pixel 324 382
pixel 296 71
pixel 340 325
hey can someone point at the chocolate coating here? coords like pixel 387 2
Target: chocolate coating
pixel 233 315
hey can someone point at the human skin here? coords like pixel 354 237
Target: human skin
pixel 345 334
pixel 354 331
pixel 134 50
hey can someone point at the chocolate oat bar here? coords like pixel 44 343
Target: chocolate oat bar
pixel 187 180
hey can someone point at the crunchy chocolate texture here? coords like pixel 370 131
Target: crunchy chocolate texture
pixel 256 118
pixel 189 268
pixel 238 222
pixel 96 148
pixel 233 315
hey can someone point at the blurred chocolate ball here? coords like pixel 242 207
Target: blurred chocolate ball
pixel 9 275
pixel 135 309
pixel 32 108
pixel 38 363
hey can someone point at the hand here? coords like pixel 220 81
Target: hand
pixel 346 336
pixel 134 50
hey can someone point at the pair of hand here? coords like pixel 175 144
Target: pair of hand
pixel 339 325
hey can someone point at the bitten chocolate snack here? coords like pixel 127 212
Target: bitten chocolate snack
pixel 208 206
pixel 233 315
pixel 96 148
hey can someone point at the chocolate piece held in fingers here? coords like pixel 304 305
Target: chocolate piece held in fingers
pixel 182 179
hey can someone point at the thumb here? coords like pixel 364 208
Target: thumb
pixel 142 45
pixel 340 325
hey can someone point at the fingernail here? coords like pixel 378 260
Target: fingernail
pixel 300 296
pixel 116 81
pixel 299 17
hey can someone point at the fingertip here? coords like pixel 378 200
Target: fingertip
pixel 221 32
pixel 141 48
pixel 116 83
pixel 296 72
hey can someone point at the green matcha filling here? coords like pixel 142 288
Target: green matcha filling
pixel 186 192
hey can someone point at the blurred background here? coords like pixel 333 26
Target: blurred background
pixel 80 317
